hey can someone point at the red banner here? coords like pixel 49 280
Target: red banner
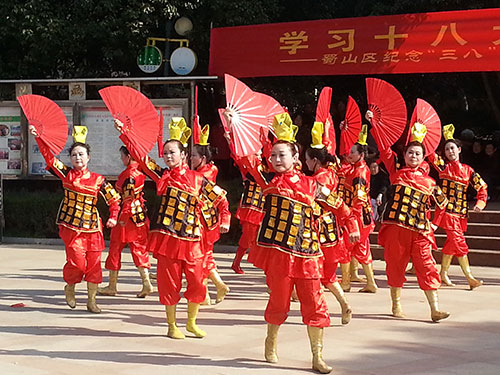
pixel 458 41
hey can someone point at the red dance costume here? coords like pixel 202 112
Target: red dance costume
pixel 455 178
pixel 287 247
pixel 250 210
pixel 330 239
pixel 175 229
pixel 80 226
pixel 357 197
pixel 214 218
pixel 405 230
pixel 133 224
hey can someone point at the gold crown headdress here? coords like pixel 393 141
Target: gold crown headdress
pixel 205 132
pixel 418 132
pixel 317 132
pixel 448 131
pixel 363 135
pixel 79 133
pixel 179 131
pixel 284 128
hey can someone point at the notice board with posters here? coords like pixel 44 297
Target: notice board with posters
pixel 102 137
pixel 11 141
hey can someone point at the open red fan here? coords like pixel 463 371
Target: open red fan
pixel 350 127
pixel 48 119
pixel 247 113
pixel 137 113
pixel 389 112
pixel 323 115
pixel 271 108
pixel 425 114
pixel 159 140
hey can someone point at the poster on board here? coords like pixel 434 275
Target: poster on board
pixel 36 162
pixel 10 141
pixel 103 138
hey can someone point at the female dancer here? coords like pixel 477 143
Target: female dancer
pixel 250 213
pixel 356 196
pixel 175 236
pixel 287 248
pixel 455 178
pixel 80 226
pixel 406 230
pixel 321 163
pixel 132 228
pixel 217 219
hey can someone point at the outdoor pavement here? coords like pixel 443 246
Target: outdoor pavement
pixel 44 336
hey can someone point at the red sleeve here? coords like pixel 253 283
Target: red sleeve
pixel 224 213
pixel 252 165
pixel 388 157
pixel 148 165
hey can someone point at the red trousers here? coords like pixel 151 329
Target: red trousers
pixel 248 234
pixel 360 249
pixel 455 243
pixel 169 280
pixel 83 255
pixel 313 305
pixel 329 272
pixel 400 244
pixel 137 242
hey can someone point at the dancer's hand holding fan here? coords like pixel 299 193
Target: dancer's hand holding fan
pixel 388 112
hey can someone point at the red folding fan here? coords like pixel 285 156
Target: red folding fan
pixel 247 113
pixel 350 127
pixel 159 140
pixel 425 114
pixel 323 115
pixel 271 108
pixel 389 112
pixel 196 119
pixel 48 119
pixel 137 113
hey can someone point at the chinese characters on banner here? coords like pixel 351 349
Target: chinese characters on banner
pixel 457 41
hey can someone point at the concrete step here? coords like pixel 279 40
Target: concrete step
pixel 477 257
pixel 487 216
pixel 476 242
pixel 479 229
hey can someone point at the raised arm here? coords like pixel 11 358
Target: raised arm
pixel 54 165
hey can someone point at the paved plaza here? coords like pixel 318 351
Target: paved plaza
pixel 39 334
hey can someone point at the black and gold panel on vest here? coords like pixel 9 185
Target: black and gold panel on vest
pixel 407 206
pixel 252 196
pixel 129 193
pixel 457 197
pixel 210 214
pixel 79 211
pixel 109 193
pixel 328 233
pixel 287 226
pixel 177 216
pixel 477 182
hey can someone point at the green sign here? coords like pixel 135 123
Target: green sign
pixel 149 59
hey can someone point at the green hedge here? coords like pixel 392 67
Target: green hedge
pixel 32 213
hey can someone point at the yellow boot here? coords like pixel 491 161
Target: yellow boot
pixel 91 303
pixel 110 290
pixel 445 266
pixel 271 344
pixel 346 277
pixel 173 331
pixel 191 322
pixel 397 310
pixel 147 287
pixel 207 301
pixel 69 294
pixel 436 314
pixel 316 340
pixel 371 285
pixel 354 271
pixel 337 291
pixel 222 289
pixel 464 264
